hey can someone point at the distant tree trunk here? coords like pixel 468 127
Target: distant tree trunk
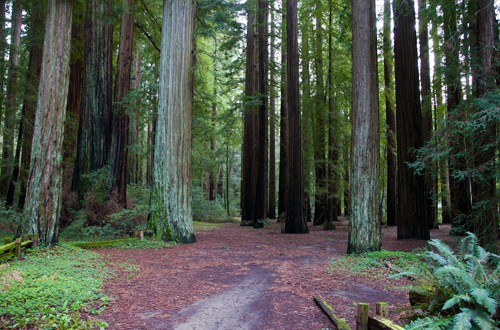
pixel 43 198
pixel 213 147
pixel 118 156
pixel 272 125
pixel 170 215
pixel 486 222
pixel 425 77
pixel 26 126
pixel 11 103
pixel 413 221
pixel 295 222
pixel 2 57
pixel 250 121
pixel 284 141
pixel 320 205
pixel 137 134
pixel 364 227
pixel 347 184
pixel 94 132
pixel 390 117
pixel 260 211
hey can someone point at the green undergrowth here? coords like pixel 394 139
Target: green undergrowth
pixel 199 225
pixel 53 288
pixel 376 264
pixel 124 244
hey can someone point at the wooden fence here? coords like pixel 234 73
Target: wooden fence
pixel 14 249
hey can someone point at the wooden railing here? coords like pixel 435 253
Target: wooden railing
pixel 14 249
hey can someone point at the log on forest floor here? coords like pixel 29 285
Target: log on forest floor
pixel 338 322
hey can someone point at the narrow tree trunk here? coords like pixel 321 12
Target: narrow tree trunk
pixel 94 133
pixel 170 215
pixel 119 142
pixel 390 116
pixel 11 103
pixel 43 198
pixel 295 222
pixel 364 227
pixel 425 77
pixel 3 69
pixel 272 125
pixel 26 127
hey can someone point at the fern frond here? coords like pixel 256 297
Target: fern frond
pixel 463 320
pixel 445 251
pixel 456 300
pixel 429 323
pixel 482 297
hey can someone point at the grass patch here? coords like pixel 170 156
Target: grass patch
pixel 198 225
pixel 54 288
pixel 124 244
pixel 374 263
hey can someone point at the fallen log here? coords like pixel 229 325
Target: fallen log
pixel 394 269
pixel 338 322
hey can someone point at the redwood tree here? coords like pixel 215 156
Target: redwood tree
pixel 412 216
pixel 170 215
pixel 43 198
pixel 364 227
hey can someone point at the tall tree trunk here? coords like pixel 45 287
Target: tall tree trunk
pixel 347 184
pixel 425 77
pixel 94 132
pixel 320 205
pixel 248 183
pixel 364 227
pixel 43 198
pixel 25 137
pixel 11 103
pixel 137 134
pixel 295 222
pixel 118 156
pixel 390 117
pixel 170 215
pixel 3 69
pixel 272 125
pixel 284 141
pixel 486 222
pixel 260 212
pixel 413 221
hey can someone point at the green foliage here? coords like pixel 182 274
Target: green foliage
pixel 51 289
pixel 205 209
pixel 374 263
pixel 464 287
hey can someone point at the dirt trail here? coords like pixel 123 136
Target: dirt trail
pixel 241 278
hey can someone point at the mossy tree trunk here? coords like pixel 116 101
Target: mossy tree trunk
pixel 170 215
pixel 94 131
pixel 25 137
pixel 120 127
pixel 295 222
pixel 364 227
pixel 11 102
pixel 43 198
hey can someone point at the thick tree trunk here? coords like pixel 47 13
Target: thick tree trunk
pixel 118 156
pixel 364 227
pixel 425 77
pixel 94 133
pixel 320 205
pixel 43 198
pixel 413 221
pixel 170 215
pixel 11 103
pixel 272 125
pixel 486 222
pixel 295 222
pixel 26 127
pixel 250 121
pixel 390 117
pixel 284 141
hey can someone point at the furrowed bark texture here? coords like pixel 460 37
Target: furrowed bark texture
pixel 43 198
pixel 295 222
pixel 35 36
pixel 119 141
pixel 412 199
pixel 272 126
pixel 94 134
pixel 171 213
pixel 390 116
pixel 11 98
pixel 364 227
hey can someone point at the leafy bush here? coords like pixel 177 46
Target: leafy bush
pixel 52 286
pixel 464 287
pixel 374 263
pixel 203 208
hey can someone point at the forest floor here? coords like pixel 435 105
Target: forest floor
pixel 237 277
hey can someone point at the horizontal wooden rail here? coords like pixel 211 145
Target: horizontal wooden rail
pixel 14 249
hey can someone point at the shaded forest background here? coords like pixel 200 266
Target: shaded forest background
pixel 279 129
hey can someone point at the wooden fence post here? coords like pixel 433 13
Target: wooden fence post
pixel 362 317
pixel 7 240
pixel 381 309
pixel 35 240
pixel 18 248
pixel 141 235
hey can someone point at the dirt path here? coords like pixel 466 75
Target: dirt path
pixel 240 278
